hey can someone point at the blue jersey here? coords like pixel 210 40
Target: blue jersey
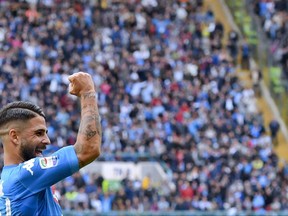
pixel 25 189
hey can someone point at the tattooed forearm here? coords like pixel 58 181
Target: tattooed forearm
pixel 88 144
pixel 88 95
pixel 91 126
pixel 89 133
pixel 89 106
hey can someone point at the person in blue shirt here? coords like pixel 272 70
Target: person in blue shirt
pixel 27 176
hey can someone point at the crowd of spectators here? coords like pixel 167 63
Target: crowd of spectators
pixel 167 87
pixel 273 16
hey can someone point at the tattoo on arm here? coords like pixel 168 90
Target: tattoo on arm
pixel 89 133
pixel 87 106
pixel 89 95
pixel 87 128
pixel 91 117
pixel 90 130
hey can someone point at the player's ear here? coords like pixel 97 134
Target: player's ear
pixel 14 136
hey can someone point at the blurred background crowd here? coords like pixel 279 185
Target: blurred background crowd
pixel 273 17
pixel 167 91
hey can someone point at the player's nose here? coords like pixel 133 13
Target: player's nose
pixel 46 140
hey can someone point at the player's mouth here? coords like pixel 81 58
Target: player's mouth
pixel 38 152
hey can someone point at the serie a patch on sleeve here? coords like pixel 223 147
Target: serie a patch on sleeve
pixel 48 162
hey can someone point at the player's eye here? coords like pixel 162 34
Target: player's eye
pixel 39 133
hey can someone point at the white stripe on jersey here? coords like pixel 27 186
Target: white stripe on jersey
pixel 8 207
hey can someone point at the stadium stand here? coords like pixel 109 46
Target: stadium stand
pixel 273 103
pixel 273 17
pixel 168 92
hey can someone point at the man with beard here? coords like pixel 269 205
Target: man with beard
pixel 27 176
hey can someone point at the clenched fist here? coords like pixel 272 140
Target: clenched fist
pixel 80 83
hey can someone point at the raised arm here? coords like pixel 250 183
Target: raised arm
pixel 88 143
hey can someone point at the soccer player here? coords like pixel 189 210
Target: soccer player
pixel 27 176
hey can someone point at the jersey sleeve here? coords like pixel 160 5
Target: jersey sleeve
pixel 42 172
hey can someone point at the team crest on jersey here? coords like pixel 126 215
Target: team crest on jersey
pixel 48 162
